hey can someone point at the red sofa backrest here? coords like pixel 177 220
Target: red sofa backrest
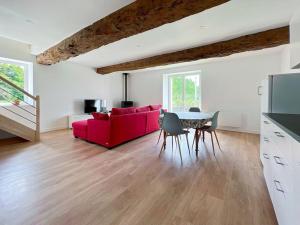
pixel 152 121
pixel 130 126
pixel 126 127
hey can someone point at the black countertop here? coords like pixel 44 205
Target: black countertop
pixel 290 123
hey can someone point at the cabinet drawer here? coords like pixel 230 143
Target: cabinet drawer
pixel 278 142
pixel 282 172
pixel 282 203
pixel 266 126
pixel 263 125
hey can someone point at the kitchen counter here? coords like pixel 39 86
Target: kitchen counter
pixel 290 123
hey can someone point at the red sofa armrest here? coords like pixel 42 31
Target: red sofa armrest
pixel 98 131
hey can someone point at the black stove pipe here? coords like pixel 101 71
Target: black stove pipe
pixel 126 103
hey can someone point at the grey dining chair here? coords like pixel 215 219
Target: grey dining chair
pixel 194 109
pixel 212 129
pixel 172 127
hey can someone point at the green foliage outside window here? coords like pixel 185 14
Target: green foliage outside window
pixel 15 74
pixel 185 92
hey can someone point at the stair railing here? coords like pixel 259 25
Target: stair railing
pixel 30 111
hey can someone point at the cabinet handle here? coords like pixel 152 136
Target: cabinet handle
pixel 266 122
pixel 278 186
pixel 278 134
pixel 266 156
pixel 266 139
pixel 278 161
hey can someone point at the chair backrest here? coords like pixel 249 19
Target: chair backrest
pixel 214 121
pixel 161 111
pixel 194 109
pixel 171 123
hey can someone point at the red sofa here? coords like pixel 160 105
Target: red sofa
pixel 121 126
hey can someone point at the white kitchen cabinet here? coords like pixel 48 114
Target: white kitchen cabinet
pixel 296 177
pixel 281 162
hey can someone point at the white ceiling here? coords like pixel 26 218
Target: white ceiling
pixel 44 23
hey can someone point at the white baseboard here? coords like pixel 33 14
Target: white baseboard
pixel 239 130
pixel 45 130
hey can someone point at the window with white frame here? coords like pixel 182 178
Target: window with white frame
pixel 19 73
pixel 184 91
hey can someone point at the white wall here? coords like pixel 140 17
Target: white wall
pixel 62 87
pixel 294 49
pixel 228 84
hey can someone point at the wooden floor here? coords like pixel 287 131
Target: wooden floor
pixel 68 181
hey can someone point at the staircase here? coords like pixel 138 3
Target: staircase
pixel 21 116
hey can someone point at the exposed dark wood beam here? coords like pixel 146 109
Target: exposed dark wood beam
pixel 257 41
pixel 138 17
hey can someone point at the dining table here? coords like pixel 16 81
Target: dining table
pixel 193 120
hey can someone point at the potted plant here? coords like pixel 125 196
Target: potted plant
pixel 16 102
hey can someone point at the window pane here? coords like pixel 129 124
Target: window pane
pixel 185 92
pixel 15 74
pixel 177 93
pixel 192 98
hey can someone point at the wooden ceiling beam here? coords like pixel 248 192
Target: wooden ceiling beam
pixel 135 18
pixel 257 41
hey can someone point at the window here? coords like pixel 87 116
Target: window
pixel 184 91
pixel 19 73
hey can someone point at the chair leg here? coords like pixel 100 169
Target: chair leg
pixel 217 139
pixel 172 142
pixel 212 143
pixel 159 136
pixel 187 141
pixel 179 148
pixel 163 147
pixel 203 137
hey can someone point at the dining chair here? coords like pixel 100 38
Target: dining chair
pixel 212 129
pixel 172 127
pixel 194 109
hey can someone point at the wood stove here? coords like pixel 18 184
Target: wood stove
pixel 126 103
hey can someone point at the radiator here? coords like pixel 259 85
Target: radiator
pixel 230 119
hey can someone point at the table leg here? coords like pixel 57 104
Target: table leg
pixel 197 140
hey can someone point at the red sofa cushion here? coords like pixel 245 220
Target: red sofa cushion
pixel 152 121
pixel 155 107
pixel 143 109
pixel 99 131
pixel 100 116
pixel 123 111
pixel 80 129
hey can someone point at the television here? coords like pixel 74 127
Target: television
pixel 92 105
